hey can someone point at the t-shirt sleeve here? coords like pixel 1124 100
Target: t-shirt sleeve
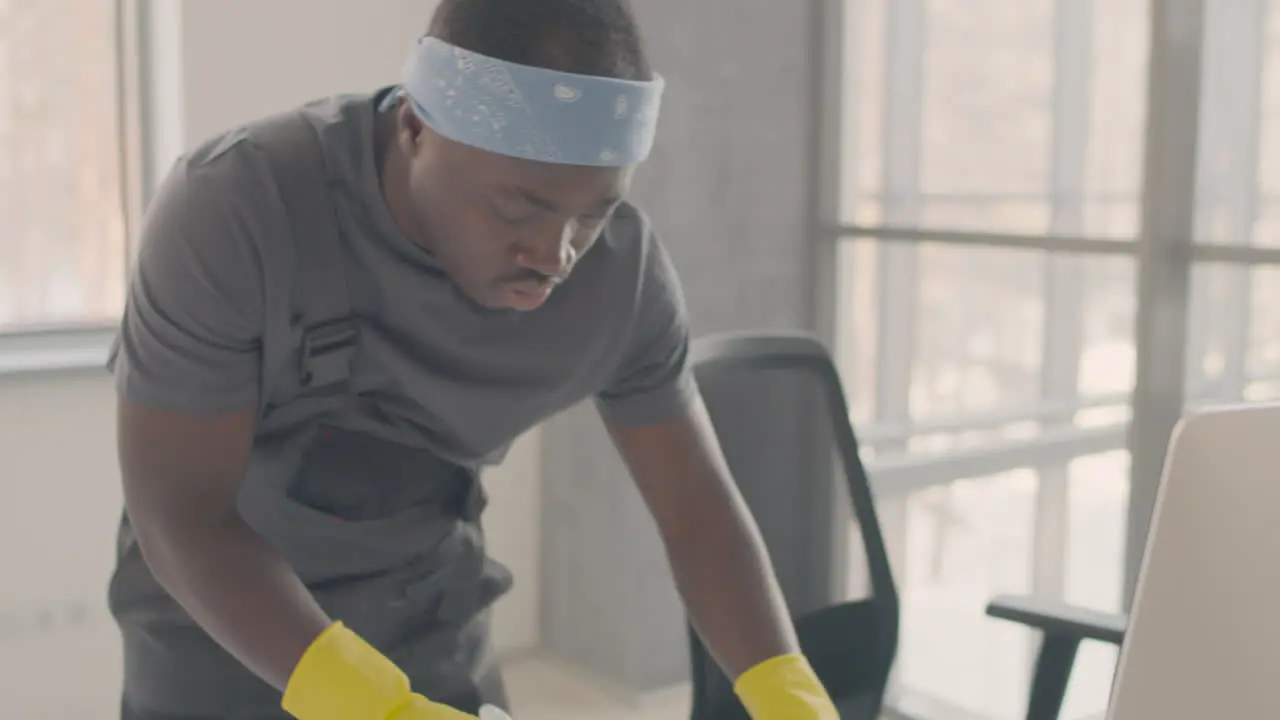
pixel 653 381
pixel 189 339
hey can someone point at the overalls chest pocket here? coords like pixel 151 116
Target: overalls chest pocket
pixel 355 477
pixel 341 504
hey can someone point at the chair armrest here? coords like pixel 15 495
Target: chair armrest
pixel 1057 618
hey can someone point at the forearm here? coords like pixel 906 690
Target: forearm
pixel 239 589
pixel 724 576
pixel 722 568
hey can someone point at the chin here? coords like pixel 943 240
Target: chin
pixel 487 300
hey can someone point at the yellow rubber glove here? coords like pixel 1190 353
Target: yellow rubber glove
pixel 342 677
pixel 420 708
pixel 784 688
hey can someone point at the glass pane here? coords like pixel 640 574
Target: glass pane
pixel 62 236
pixel 1263 359
pixel 1268 158
pixel 932 335
pixel 965 543
pixel 1237 178
pixel 1217 332
pixel 1098 491
pixel 1097 515
pixel 1004 115
pixel 979 330
pixel 1117 71
pixel 976 538
pixel 1106 370
pixel 858 320
pixel 983 137
pixel 974 342
pixel 1233 344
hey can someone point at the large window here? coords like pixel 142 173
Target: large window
pixel 62 169
pixel 993 300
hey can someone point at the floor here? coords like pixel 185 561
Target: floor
pixel 542 689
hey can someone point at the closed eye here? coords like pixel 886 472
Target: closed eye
pixel 512 215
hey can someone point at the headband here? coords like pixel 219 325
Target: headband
pixel 529 112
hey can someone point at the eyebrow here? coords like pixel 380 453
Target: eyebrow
pixel 538 201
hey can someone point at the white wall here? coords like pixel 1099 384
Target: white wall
pixel 57 527
pixel 237 59
pixel 217 62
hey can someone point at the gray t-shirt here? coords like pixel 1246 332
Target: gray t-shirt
pixel 434 370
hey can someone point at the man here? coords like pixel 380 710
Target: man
pixel 302 529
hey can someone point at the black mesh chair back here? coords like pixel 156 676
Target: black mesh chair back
pixel 779 410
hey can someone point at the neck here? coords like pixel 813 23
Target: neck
pixel 393 174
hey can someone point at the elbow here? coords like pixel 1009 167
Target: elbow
pixel 170 539
pixel 159 545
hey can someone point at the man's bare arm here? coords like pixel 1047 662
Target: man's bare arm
pixel 181 476
pixel 721 567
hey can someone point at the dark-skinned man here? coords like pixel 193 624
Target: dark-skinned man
pixel 340 315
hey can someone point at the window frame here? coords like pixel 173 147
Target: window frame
pixel 1164 254
pixel 72 347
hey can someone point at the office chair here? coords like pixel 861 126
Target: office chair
pixel 1201 639
pixel 779 411
pixel 1063 627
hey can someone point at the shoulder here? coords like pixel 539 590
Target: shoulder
pixel 652 265
pixel 630 233
pixel 235 167
pixel 631 280
pixel 215 218
pixel 224 196
pixel 649 379
pixel 635 250
pixel 225 176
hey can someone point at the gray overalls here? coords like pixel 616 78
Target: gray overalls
pixel 386 535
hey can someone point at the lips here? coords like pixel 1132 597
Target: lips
pixel 527 295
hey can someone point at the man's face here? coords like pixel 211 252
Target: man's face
pixel 507 231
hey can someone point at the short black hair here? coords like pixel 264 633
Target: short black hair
pixel 588 37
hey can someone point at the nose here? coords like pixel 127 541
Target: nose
pixel 552 254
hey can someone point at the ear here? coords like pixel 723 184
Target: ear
pixel 410 130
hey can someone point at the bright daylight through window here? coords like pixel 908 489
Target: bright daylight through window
pixel 991 384
pixel 62 198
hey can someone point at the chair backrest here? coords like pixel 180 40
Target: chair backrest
pixel 1204 630
pixel 780 414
